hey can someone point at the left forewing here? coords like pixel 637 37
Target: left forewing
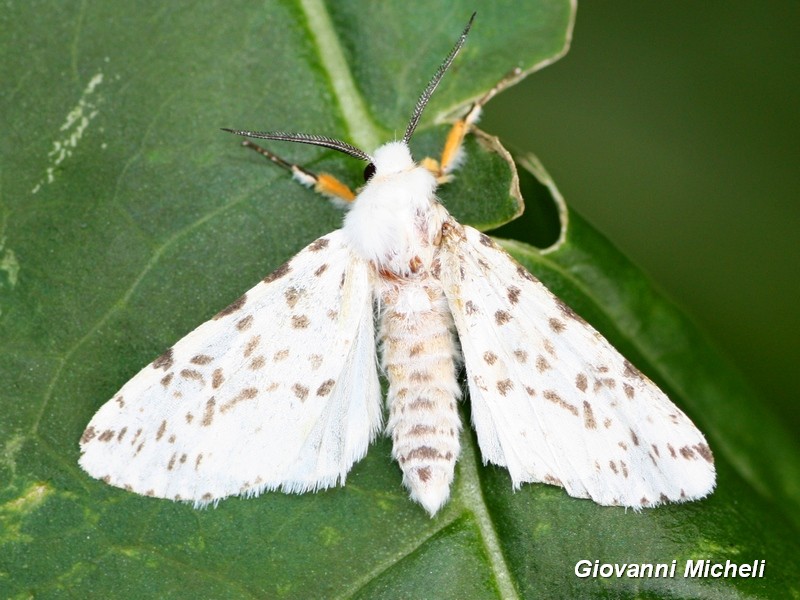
pixel 552 400
pixel 280 389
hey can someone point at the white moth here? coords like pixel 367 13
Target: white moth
pixel 280 390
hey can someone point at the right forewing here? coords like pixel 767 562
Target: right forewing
pixel 552 399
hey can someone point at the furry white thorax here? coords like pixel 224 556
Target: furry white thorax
pixel 396 216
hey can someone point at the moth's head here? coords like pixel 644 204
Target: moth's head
pixel 393 157
pixel 389 158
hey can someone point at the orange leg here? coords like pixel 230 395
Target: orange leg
pixel 455 139
pixel 324 183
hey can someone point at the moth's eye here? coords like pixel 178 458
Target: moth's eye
pixel 369 171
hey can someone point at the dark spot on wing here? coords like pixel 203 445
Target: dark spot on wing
pixel 631 371
pixel 192 374
pixel 300 391
pixel 278 273
pixel 233 307
pixel 300 321
pixel 201 359
pixel 217 378
pixel 245 323
pixel 318 245
pixel 567 311
pixel 513 294
pixel 292 295
pixel 252 344
pixel 501 317
pixel 588 416
pixel 325 388
pixel 208 415
pixel 504 386
pixel 522 272
pixel 553 397
pixel 164 361
pixel 705 452
pixel 244 394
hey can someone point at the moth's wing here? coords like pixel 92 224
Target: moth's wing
pixel 552 400
pixel 280 389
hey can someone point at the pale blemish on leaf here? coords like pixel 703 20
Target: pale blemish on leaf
pixel 14 512
pixel 74 126
pixel 707 547
pixel 330 536
pixel 10 450
pixel 9 266
pixel 29 501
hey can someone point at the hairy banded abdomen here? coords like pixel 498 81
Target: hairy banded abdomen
pixel 419 356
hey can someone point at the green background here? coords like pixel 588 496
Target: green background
pixel 154 220
pixel 675 127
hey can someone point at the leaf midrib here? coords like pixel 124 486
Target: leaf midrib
pixel 361 130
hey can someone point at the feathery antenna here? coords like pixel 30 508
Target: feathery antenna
pixel 434 82
pixel 305 138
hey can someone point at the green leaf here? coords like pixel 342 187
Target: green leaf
pixel 126 219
